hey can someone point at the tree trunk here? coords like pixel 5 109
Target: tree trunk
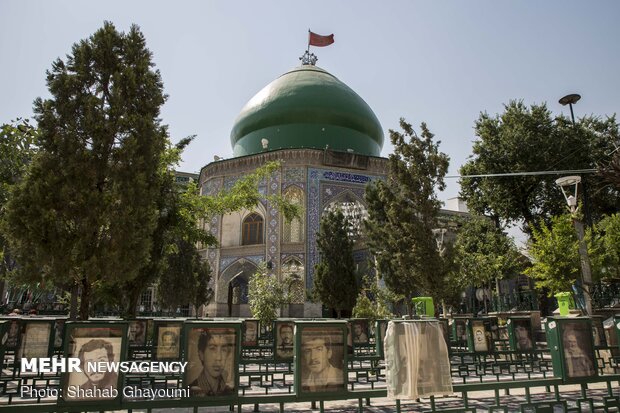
pixel 131 309
pixel 338 313
pixel 444 308
pixel 73 305
pixel 85 299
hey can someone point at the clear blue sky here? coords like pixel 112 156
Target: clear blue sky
pixel 438 62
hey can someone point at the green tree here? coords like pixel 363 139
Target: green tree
pixel 335 283
pixel 18 144
pixel 403 212
pixel 373 301
pixel 555 252
pixel 523 139
pixel 86 210
pixel 485 254
pixel 607 239
pixel 265 295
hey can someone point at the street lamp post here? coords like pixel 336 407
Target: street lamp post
pixel 566 183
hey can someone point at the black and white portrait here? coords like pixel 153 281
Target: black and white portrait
pixel 212 369
pixel 479 336
pixel 168 341
pixel 250 333
pixel 137 332
pixel 322 359
pixel 578 351
pixel 360 332
pixel 522 334
pixel 285 341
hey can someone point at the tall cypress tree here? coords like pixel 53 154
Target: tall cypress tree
pixel 402 212
pixel 85 212
pixel 334 281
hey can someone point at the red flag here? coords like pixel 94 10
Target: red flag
pixel 320 41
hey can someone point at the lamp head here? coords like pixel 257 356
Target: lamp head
pixel 264 142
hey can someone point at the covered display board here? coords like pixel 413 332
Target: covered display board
pixel 417 361
pixel 520 333
pixel 36 338
pixel 598 331
pixel 321 359
pixel 572 348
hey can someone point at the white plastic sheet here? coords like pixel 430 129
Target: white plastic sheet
pixel 417 360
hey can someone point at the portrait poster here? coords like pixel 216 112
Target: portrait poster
pixel 93 344
pixel 322 359
pixel 250 333
pixel 360 332
pixel 211 353
pixel 167 341
pixel 13 331
pixel 137 333
pixel 598 332
pixel 285 341
pixel 578 350
pixel 479 337
pixel 460 331
pixel 35 341
pixel 59 332
pixel 522 333
pixel 417 360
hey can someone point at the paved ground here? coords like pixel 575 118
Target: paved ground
pixel 479 400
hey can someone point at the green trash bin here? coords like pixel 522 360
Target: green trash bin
pixel 424 306
pixel 564 300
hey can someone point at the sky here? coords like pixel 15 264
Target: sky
pixel 439 62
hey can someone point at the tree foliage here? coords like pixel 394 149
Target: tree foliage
pixel 555 252
pixel 18 144
pixel 607 240
pixel 403 212
pixel 85 212
pixel 485 253
pixel 523 139
pixel 335 283
pixel 266 295
pixel 373 301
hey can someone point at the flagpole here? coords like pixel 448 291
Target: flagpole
pixel 308 49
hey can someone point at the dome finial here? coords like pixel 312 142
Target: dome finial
pixel 308 58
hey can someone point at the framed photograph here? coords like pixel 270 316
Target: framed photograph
pixel 380 330
pixel 212 352
pixel 250 333
pixel 93 343
pixel 137 332
pixel 167 340
pixel 284 341
pixel 598 332
pixel 521 334
pixel 59 332
pixel 459 330
pixel 322 358
pixel 578 350
pixel 13 331
pixel 36 338
pixel 479 342
pixel 360 332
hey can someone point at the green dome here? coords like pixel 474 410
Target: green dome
pixel 307 108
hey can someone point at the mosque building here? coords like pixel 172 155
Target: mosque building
pixel 328 142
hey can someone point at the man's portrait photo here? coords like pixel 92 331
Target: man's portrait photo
pixel 479 336
pixel 578 351
pixel 250 333
pixel 137 332
pixel 168 342
pixel 13 334
pixel 211 355
pixel 59 329
pixel 322 359
pixel 460 332
pixel 284 341
pixel 360 332
pixel 523 335
pixel 92 350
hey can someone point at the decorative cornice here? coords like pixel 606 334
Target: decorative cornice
pixel 288 158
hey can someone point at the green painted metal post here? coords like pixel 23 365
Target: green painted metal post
pixel 398 406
